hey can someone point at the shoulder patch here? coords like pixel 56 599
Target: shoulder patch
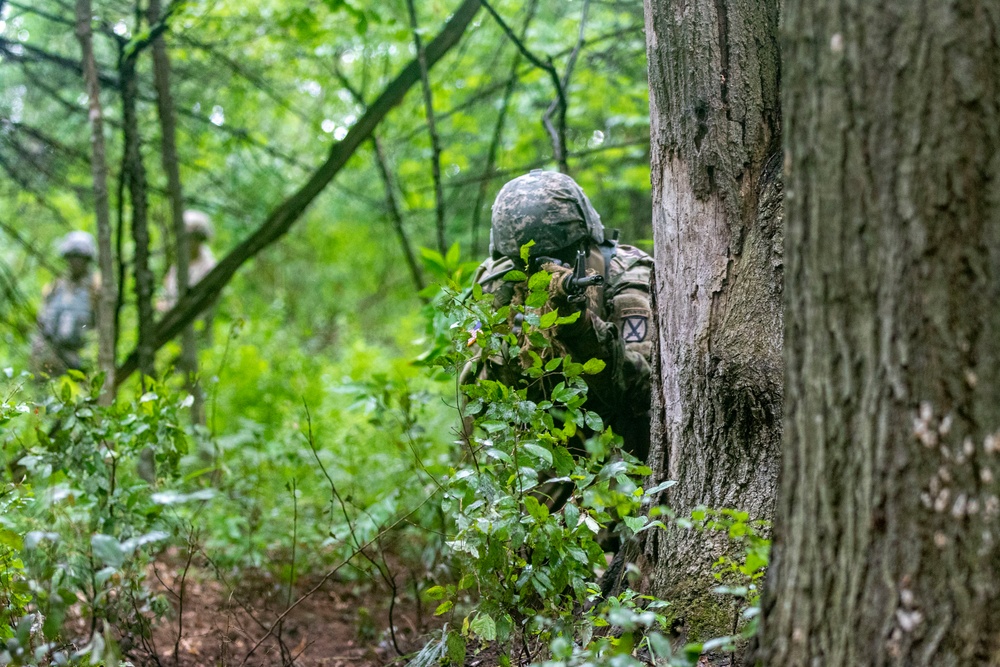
pixel 635 328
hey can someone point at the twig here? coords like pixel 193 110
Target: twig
pixel 431 129
pixel 390 194
pixel 291 577
pixel 491 153
pixel 180 597
pixel 557 135
pixel 390 581
pixel 561 104
pixel 326 577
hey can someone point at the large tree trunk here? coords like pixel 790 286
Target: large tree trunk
pixel 714 106
pixel 887 540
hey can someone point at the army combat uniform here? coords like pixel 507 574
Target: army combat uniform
pixel 614 325
pixel 67 313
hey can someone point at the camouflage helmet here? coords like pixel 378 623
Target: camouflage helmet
pixel 78 244
pixel 546 207
pixel 197 223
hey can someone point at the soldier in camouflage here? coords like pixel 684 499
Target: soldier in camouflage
pixel 199 232
pixel 67 313
pixel 550 209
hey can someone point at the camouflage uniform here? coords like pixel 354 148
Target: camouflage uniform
pixel 552 210
pixel 199 230
pixel 67 313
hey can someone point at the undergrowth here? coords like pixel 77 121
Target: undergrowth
pixel 351 468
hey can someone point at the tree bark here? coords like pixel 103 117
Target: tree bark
pixel 714 107
pixel 886 539
pixel 285 215
pixel 188 362
pixel 140 220
pixel 99 172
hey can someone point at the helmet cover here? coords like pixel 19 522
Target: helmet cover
pixel 197 223
pixel 78 244
pixel 546 207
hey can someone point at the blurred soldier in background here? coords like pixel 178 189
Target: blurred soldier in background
pixel 199 231
pixel 198 227
pixel 550 209
pixel 68 307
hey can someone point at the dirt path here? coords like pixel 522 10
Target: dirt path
pixel 342 623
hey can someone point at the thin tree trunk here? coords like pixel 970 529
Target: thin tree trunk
pixel 392 204
pixel 188 362
pixel 557 133
pixel 99 172
pixel 887 547
pixel 425 84
pixel 713 74
pixel 396 214
pixel 140 223
pixel 285 215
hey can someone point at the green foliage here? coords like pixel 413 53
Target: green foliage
pixel 80 537
pixel 526 562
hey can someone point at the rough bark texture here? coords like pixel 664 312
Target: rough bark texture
pixel 188 362
pixel 140 221
pixel 99 171
pixel 713 74
pixel 888 521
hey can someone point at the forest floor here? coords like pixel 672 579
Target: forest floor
pixel 225 622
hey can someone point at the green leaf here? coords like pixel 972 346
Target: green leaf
pixel 540 281
pixel 434 592
pixel 553 364
pixel 539 451
pixel 515 276
pixel 484 626
pixel 537 510
pixel 635 523
pixel 444 607
pixel 569 319
pixel 454 253
pixel 571 515
pixel 594 421
pixel 536 299
pixel 594 366
pixel 662 486
pixel 107 550
pixel 526 251
pixel 548 319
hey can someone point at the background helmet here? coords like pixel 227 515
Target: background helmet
pixel 78 244
pixel 197 223
pixel 546 207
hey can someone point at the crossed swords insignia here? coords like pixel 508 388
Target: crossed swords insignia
pixel 635 329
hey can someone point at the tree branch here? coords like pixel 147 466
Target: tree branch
pixel 557 135
pixel 491 153
pixel 390 194
pixel 9 50
pixel 431 129
pixel 289 211
pixel 561 103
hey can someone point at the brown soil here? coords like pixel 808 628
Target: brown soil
pixel 340 623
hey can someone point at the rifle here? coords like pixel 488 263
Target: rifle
pixel 575 285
